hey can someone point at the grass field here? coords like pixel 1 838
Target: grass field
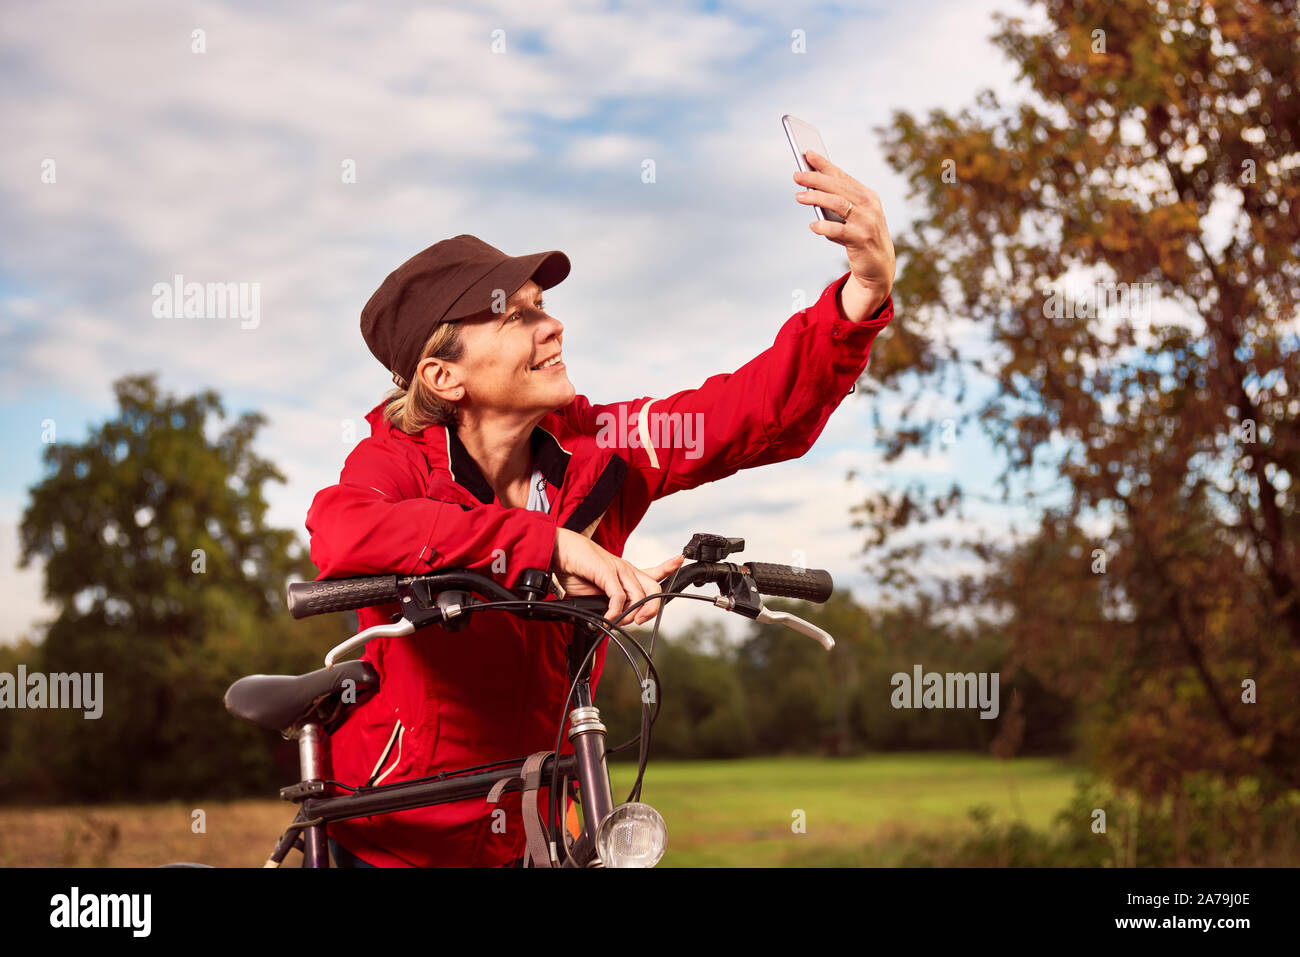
pixel 856 811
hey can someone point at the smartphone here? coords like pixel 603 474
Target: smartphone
pixel 804 136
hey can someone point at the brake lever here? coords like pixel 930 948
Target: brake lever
pixel 359 640
pixel 769 617
pixel 740 594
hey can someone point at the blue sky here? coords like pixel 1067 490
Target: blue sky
pixel 224 166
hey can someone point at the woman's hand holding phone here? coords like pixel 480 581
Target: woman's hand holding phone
pixel 863 234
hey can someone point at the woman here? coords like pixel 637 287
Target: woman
pixel 486 458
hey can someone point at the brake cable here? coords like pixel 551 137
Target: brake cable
pixel 647 718
pixel 594 619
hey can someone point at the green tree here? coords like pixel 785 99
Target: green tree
pixel 168 582
pixel 801 697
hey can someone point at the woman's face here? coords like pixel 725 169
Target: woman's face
pixel 511 362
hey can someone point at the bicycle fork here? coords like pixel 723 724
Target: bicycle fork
pixel 631 834
pixel 588 736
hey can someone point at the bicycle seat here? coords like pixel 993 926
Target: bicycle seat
pixel 279 702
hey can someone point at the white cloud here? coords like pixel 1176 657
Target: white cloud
pixel 609 150
pixel 225 166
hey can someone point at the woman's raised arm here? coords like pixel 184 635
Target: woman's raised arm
pixel 771 409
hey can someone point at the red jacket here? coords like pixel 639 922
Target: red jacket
pixel 410 504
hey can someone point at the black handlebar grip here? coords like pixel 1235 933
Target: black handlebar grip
pixel 340 594
pixel 785 581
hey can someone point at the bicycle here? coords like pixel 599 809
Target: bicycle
pixel 630 834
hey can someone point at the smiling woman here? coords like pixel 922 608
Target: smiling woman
pixel 508 370
pixel 422 404
pixel 497 351
pixel 487 458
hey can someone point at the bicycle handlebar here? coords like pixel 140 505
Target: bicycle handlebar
pixel 787 581
pixel 342 594
pixel 442 597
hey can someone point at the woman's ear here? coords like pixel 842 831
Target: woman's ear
pixel 441 379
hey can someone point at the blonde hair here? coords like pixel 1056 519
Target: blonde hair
pixel 415 408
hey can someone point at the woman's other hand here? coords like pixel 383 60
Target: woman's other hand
pixel 584 568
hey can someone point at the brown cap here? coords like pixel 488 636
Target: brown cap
pixel 451 279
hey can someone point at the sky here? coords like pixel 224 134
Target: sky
pixel 526 124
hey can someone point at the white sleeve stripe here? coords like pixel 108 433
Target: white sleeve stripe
pixel 641 420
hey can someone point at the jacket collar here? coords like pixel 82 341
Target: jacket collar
pixel 596 474
pixel 548 455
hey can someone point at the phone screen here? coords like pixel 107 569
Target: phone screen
pixel 804 136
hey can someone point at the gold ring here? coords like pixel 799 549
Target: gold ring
pixel 849 210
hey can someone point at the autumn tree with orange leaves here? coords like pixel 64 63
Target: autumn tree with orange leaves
pixel 1127 238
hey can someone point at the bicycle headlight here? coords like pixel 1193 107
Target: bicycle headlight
pixel 631 835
